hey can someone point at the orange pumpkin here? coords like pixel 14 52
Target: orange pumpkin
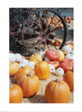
pixel 48 20
pixel 72 18
pixel 70 21
pixel 69 18
pixel 58 41
pixel 13 68
pixel 57 92
pixel 42 70
pixel 36 58
pixel 15 94
pixel 22 71
pixel 69 79
pixel 30 84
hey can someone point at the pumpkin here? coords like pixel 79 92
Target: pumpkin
pixel 30 84
pixel 52 54
pixel 67 64
pixel 18 57
pixel 12 57
pixel 69 56
pixel 58 42
pixel 60 71
pixel 24 61
pixel 67 49
pixel 69 18
pixel 72 47
pixel 42 70
pixel 54 63
pixel 36 57
pixel 15 94
pixel 52 68
pixel 71 44
pixel 72 52
pixel 31 64
pixel 22 71
pixel 57 92
pixel 61 58
pixel 48 20
pixel 13 68
pixel 69 79
pixel 72 18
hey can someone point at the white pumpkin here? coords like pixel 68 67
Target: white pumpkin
pixel 60 71
pixel 22 64
pixel 67 49
pixel 46 59
pixel 42 53
pixel 31 64
pixel 69 56
pixel 24 61
pixel 52 68
pixel 72 52
pixel 18 57
pixel 12 57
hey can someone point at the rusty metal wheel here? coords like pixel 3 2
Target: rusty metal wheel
pixel 38 27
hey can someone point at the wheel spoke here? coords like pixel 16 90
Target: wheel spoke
pixel 51 20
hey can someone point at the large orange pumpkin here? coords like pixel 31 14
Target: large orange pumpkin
pixel 15 94
pixel 69 79
pixel 42 70
pixel 36 58
pixel 57 92
pixel 22 71
pixel 13 68
pixel 30 84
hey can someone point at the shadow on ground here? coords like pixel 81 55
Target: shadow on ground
pixel 38 99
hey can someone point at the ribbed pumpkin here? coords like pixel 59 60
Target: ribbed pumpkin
pixel 69 79
pixel 15 94
pixel 61 55
pixel 57 92
pixel 22 71
pixel 42 70
pixel 30 84
pixel 36 58
pixel 13 68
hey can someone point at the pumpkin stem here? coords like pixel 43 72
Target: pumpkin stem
pixel 29 75
pixel 22 66
pixel 57 80
pixel 10 84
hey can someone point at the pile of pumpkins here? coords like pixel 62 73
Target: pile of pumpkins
pixel 56 20
pixel 28 72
